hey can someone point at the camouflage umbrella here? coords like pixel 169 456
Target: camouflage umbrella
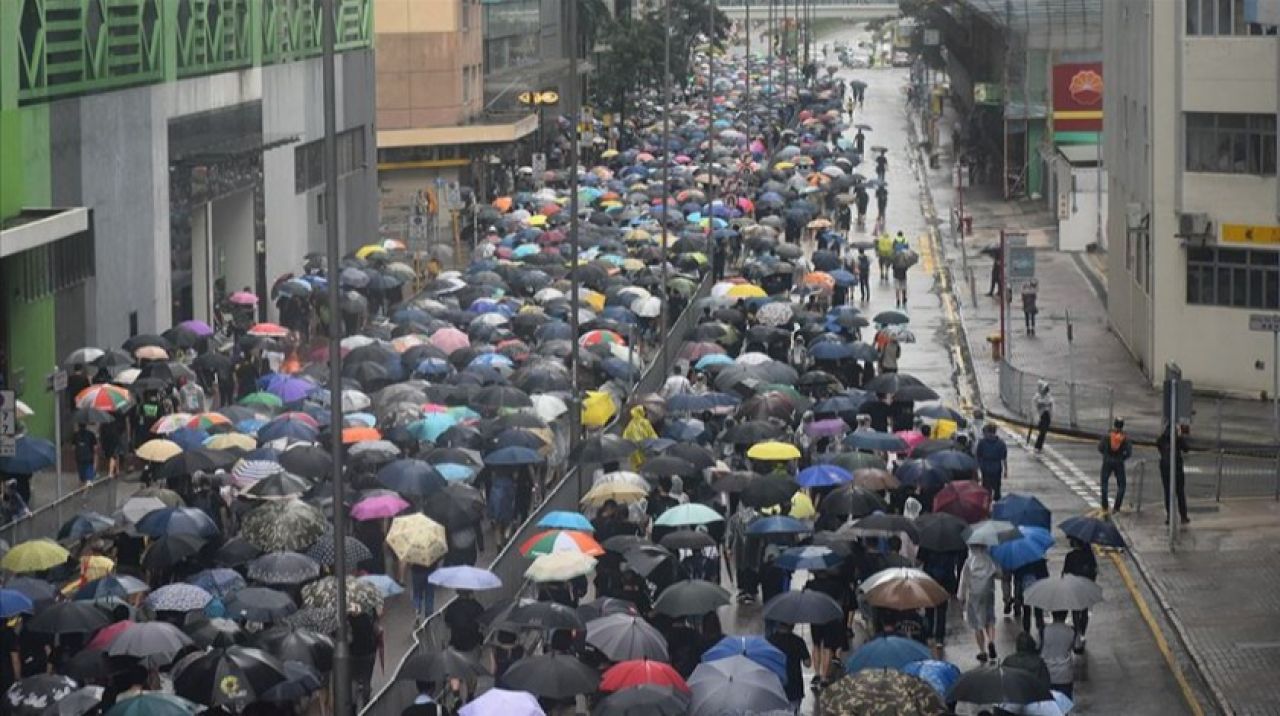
pixel 880 692
pixel 361 596
pixel 286 526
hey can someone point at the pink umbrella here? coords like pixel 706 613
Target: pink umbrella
pixel 107 634
pixel 378 506
pixel 828 428
pixel 243 298
pixel 911 437
pixel 450 339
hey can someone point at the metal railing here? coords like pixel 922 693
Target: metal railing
pixel 1212 475
pixel 509 564
pixel 1080 405
pixel 103 495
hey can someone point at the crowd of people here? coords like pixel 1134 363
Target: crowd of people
pixel 783 456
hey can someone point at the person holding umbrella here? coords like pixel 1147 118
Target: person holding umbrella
pixel 1080 562
pixel 978 592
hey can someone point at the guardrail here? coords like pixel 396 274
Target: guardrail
pixel 102 495
pixel 1080 405
pixel 1212 475
pixel 509 564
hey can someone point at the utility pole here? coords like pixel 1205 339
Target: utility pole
pixel 747 91
pixel 341 651
pixel 575 119
pixel 666 165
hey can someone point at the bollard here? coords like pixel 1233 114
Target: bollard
pixel 1071 403
pixel 1277 473
pixel 1217 492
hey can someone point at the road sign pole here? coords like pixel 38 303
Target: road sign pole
pixel 1275 383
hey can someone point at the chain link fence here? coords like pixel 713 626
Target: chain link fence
pixel 509 564
pixel 1078 405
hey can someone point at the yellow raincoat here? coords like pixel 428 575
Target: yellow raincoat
pixel 637 431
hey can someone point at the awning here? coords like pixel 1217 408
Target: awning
pixel 1047 24
pixel 459 134
pixel 33 228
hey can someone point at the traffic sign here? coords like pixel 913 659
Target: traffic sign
pixel 1022 263
pixel 539 98
pixel 56 381
pixel 1264 322
pixel 8 413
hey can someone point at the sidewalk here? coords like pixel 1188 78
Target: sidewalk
pixel 1072 286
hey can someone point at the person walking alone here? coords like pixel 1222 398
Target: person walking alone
pixel 1030 291
pixel 1171 462
pixel 978 592
pixel 864 275
pixel 993 459
pixel 1116 449
pixel 1044 412
pixel 1081 562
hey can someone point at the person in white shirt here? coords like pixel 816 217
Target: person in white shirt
pixel 676 383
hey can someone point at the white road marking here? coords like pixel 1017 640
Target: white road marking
pixel 1063 468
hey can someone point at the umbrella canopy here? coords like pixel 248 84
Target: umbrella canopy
pixel 1065 592
pixel 622 636
pixel 735 684
pixel 552 676
pixel 437 666
pixel 1092 530
pixel 991 533
pixel 30 696
pixel 545 616
pixel 362 596
pixel 154 703
pixel 283 568
pixel 259 604
pixel 231 678
pixel 303 645
pixel 886 652
pixel 967 500
pixel 903 588
pixel 641 672
pixel 503 702
pixel 68 618
pixel 806 607
pixel 941 532
pixel 1030 547
pixel 417 539
pixel 1022 510
pixel 644 700
pixel 687 515
pixel 157 642
pixel 561 541
pixel 178 597
pixel 881 692
pixel 286 525
pixel 34 556
pixel 998 685
pixel 560 567
pixel 773 451
pixel 690 597
pixel 465 577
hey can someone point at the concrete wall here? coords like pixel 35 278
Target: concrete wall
pixel 431 70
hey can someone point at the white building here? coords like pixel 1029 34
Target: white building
pixel 1194 209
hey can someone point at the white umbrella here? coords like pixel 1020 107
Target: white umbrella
pixel 548 407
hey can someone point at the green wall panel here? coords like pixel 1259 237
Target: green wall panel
pixel 31 350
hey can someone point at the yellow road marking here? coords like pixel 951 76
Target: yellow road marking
pixel 1162 644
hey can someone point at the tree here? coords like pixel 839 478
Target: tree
pixel 593 19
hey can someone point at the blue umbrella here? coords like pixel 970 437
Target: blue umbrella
pixel 684 430
pixel 1092 530
pixel 938 674
pixel 812 558
pixel 433 367
pixel 619 369
pixel 465 577
pixel 219 581
pixel 875 440
pixel 85 524
pixel 686 403
pixel 781 524
pixel 188 438
pixel 831 350
pixel 755 648
pixel 843 278
pixel 177 520
pixel 453 472
pixel 886 652
pixel 512 456
pixel 837 403
pixel 1031 547
pixel 711 360
pixel 411 478
pixel 385 585
pixel 921 474
pixel 823 475
pixel 112 585
pixel 431 427
pixel 1022 510
pixel 565 520
pixel 954 461
pixel 30 455
pixel 13 603
pixel 287 427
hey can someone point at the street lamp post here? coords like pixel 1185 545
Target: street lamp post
pixel 341 650
pixel 666 164
pixel 747 91
pixel 575 118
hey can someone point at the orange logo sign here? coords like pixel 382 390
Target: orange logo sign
pixel 1086 87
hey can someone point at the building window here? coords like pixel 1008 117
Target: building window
pixel 1231 143
pixel 308 159
pixel 1222 18
pixel 1240 278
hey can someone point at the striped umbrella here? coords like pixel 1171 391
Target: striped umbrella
pixel 105 397
pixel 561 541
pixel 247 472
pixel 205 421
pixel 170 423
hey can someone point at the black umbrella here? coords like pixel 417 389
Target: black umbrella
pixel 215 633
pixel 288 644
pixel 324 551
pixel 170 550
pixel 308 461
pixel 751 432
pixel 235 552
pixel 30 696
pixel 605 606
pixel 279 484
pixel 851 500
pixel 546 616
pixel 806 607
pixel 768 491
pixel 411 478
pixel 644 700
pixel 605 448
pixel 231 678
pixel 690 597
pixel 68 618
pixel 687 539
pixel 697 455
pixel 88 665
pixel 551 676
pixel 283 568
pixel 457 506
pixel 998 685
pixel 259 604
pixel 438 666
pixel 941 532
pixel 644 559
pixel 620 544
pixel 622 637
pixel 189 462
pixel 667 465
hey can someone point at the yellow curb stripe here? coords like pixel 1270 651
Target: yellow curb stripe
pixel 1162 644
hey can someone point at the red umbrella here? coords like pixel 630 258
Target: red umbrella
pixel 638 672
pixel 108 634
pixel 967 500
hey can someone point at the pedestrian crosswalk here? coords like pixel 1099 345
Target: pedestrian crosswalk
pixel 1062 467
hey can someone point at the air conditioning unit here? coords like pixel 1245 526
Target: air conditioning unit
pixel 1194 226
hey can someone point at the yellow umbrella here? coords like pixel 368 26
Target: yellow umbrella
pixel 783 166
pixel 611 204
pixel 773 450
pixel 158 450
pixel 537 220
pixel 34 555
pixel 417 539
pixel 746 290
pixel 616 491
pixel 802 506
pixel 609 154
pixel 637 235
pixel 598 408
pixel 594 299
pixel 238 441
pixel 560 567
pixel 632 265
pixel 367 250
